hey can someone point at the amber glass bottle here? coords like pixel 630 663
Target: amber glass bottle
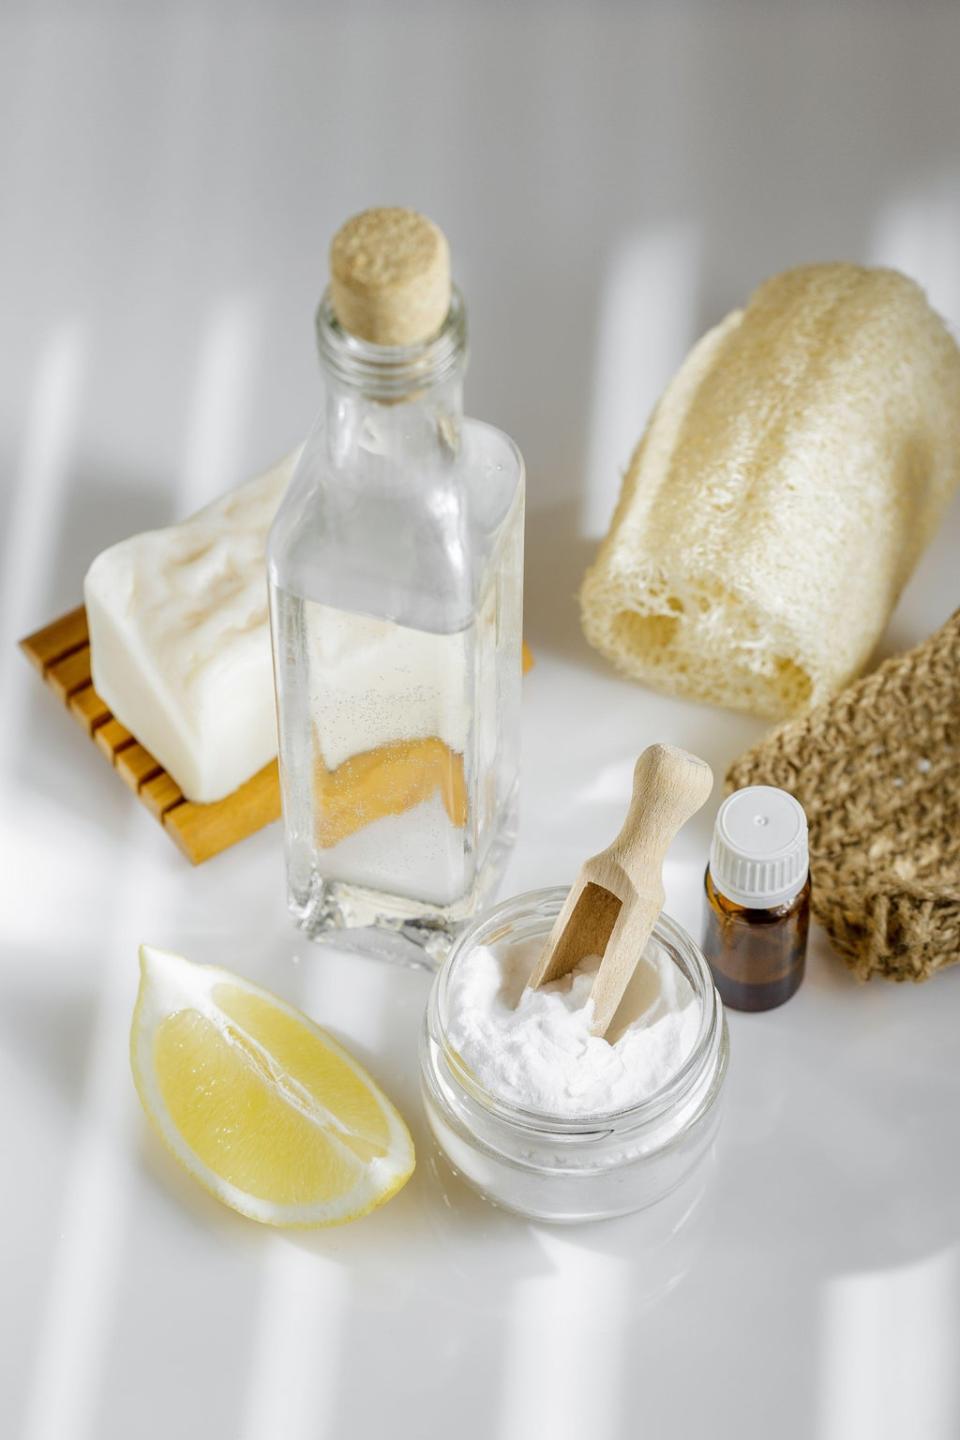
pixel 757 903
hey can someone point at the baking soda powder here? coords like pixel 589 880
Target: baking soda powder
pixel 533 1048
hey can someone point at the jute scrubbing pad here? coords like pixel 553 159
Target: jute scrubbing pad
pixel 789 478
pixel 878 772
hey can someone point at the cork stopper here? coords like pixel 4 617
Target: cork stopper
pixel 390 276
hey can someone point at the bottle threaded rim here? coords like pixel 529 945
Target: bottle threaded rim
pixel 392 371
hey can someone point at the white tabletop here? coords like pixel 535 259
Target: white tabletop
pixel 613 178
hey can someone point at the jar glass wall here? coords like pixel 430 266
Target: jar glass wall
pixel 559 1169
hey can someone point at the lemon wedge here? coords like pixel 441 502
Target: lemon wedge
pixel 258 1103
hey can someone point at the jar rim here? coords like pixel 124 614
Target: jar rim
pixel 673 937
pixel 392 371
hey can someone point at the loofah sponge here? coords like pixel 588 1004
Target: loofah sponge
pixel 877 770
pixel 789 478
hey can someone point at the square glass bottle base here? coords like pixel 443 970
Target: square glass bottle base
pixel 395 927
pixel 376 924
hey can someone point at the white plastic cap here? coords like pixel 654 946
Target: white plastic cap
pixel 759 856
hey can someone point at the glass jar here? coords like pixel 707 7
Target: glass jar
pixel 396 577
pixel 588 1168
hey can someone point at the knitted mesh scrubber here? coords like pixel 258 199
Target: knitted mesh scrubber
pixel 877 770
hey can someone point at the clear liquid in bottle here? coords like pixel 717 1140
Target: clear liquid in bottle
pixel 399 756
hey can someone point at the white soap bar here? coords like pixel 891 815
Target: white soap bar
pixel 180 638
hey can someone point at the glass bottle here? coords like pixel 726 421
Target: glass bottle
pixel 757 902
pixel 395 572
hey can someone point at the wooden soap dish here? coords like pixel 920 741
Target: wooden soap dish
pixel 61 652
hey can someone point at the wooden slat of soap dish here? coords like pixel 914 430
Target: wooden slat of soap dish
pixel 61 652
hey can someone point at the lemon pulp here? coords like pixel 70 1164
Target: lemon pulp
pixel 257 1102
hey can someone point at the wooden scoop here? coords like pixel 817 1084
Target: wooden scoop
pixel 614 903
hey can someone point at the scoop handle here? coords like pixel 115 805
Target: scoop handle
pixel 669 785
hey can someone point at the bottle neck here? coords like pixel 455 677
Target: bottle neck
pixel 776 909
pixel 393 400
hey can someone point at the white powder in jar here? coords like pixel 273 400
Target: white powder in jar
pixel 534 1047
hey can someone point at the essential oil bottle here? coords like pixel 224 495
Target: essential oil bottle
pixel 757 906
